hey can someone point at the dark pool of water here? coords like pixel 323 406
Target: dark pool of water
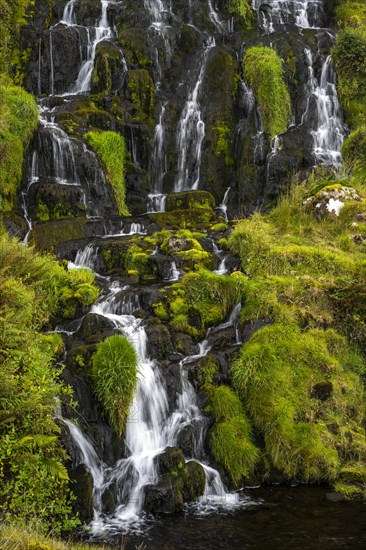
pixel 281 519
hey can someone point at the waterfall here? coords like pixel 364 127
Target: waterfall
pixel 52 72
pixel 214 17
pixel 68 16
pixel 323 115
pixel 223 206
pixel 191 132
pixel 156 199
pixel 276 13
pixel 150 426
pixel 101 32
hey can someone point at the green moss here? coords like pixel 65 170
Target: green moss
pixel 107 63
pixel 193 218
pixel 134 44
pixel 142 90
pixel 354 154
pixel 189 200
pixel 160 311
pixel 231 437
pixel 263 72
pixel 114 376
pixel 239 7
pixel 207 370
pixel 78 292
pixel 111 150
pixel 211 296
pixel 45 236
pixel 349 55
pixel 137 260
pixel 222 147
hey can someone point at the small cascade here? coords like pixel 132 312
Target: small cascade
pixel 68 16
pixel 85 258
pixel 222 208
pixel 191 132
pixel 156 199
pixel 95 35
pixel 52 70
pixel 221 26
pixel 305 14
pixel 323 115
pixel 174 273
pixel 89 457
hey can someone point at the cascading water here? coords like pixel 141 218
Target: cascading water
pixel 95 35
pixel 156 199
pixel 151 426
pixel 191 132
pixel 276 13
pixel 326 127
pixel 322 118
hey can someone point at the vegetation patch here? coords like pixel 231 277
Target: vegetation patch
pixel 231 437
pixel 264 73
pixel 114 376
pixel 19 118
pixel 111 151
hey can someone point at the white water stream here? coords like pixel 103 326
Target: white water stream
pixel 150 426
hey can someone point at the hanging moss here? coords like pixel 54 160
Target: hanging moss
pixel 114 376
pixel 263 71
pixel 111 151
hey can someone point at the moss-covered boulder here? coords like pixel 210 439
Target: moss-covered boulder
pixel 141 91
pixel 45 236
pixel 134 43
pixel 189 200
pixel 107 68
pixel 179 482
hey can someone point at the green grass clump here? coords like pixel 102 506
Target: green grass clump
pixel 264 73
pixel 114 376
pixel 231 438
pixel 354 154
pixel 111 151
pixel 303 394
pixel 18 120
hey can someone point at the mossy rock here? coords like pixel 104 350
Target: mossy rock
pixel 45 236
pixel 107 67
pixel 195 481
pixel 56 202
pixel 134 43
pixel 188 39
pixel 170 461
pixel 189 200
pixel 113 253
pixel 141 91
pixel 192 218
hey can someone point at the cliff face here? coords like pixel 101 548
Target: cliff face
pixel 169 78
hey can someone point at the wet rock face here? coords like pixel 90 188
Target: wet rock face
pixel 142 69
pixel 179 482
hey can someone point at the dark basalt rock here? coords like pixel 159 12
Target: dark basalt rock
pixel 159 343
pixel 81 482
